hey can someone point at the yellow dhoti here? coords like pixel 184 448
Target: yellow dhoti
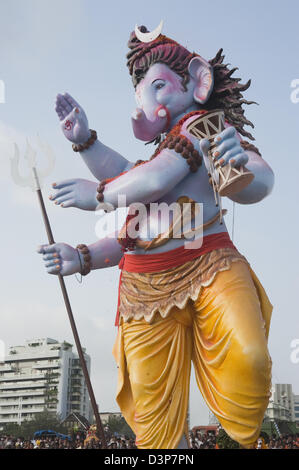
pixel 224 332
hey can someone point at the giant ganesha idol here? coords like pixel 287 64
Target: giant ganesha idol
pixel 176 304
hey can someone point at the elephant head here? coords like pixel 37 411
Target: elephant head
pixel 169 81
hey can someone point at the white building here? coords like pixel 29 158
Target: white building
pixel 282 403
pixel 41 374
pixel 105 415
pixel 212 419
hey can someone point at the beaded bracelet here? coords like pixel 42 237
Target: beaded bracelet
pixel 100 190
pixel 180 144
pixel 81 147
pixel 86 268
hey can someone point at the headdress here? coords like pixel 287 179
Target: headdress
pixel 142 42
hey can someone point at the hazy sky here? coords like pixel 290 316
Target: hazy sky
pixel 79 46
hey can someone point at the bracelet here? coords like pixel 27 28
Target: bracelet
pixel 100 190
pixel 81 147
pixel 86 268
pixel 81 267
pixel 180 144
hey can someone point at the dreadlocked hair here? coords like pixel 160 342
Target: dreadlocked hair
pixel 227 95
pixel 227 91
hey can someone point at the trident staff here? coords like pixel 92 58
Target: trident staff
pixel 33 181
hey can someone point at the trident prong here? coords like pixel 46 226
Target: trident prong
pixel 30 157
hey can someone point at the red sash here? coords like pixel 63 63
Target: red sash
pixel 170 259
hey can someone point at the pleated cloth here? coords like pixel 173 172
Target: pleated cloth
pixel 224 331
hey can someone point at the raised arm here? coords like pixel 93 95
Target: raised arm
pixel 102 161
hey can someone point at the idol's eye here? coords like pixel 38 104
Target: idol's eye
pixel 158 84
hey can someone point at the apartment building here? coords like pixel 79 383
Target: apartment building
pixel 282 403
pixel 42 374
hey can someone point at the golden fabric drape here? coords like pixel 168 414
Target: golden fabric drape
pixel 224 332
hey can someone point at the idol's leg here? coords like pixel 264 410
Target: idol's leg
pixel 230 354
pixel 157 361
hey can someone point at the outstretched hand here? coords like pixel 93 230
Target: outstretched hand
pixel 75 192
pixel 74 123
pixel 60 258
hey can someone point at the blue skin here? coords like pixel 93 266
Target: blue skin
pixel 163 179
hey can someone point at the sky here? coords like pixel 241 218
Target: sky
pixel 49 47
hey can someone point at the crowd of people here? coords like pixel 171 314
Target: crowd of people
pixel 283 442
pixel 197 441
pixel 210 441
pixel 77 442
pixel 202 441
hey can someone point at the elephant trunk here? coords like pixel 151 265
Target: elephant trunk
pixel 146 129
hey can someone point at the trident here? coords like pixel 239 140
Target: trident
pixel 34 180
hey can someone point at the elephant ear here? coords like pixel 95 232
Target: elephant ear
pixel 202 72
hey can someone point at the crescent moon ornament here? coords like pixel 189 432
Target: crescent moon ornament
pixel 151 36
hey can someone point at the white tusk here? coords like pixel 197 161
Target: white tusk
pixel 136 114
pixel 151 36
pixel 162 113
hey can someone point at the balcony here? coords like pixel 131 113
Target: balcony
pixel 76 383
pixel 22 386
pixel 30 401
pixel 9 420
pixel 19 377
pixel 33 355
pixel 4 404
pixel 21 403
pixel 7 368
pixel 36 409
pixel 21 412
pixel 21 394
pixel 13 402
pixel 47 366
pixel 75 402
pixel 9 411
